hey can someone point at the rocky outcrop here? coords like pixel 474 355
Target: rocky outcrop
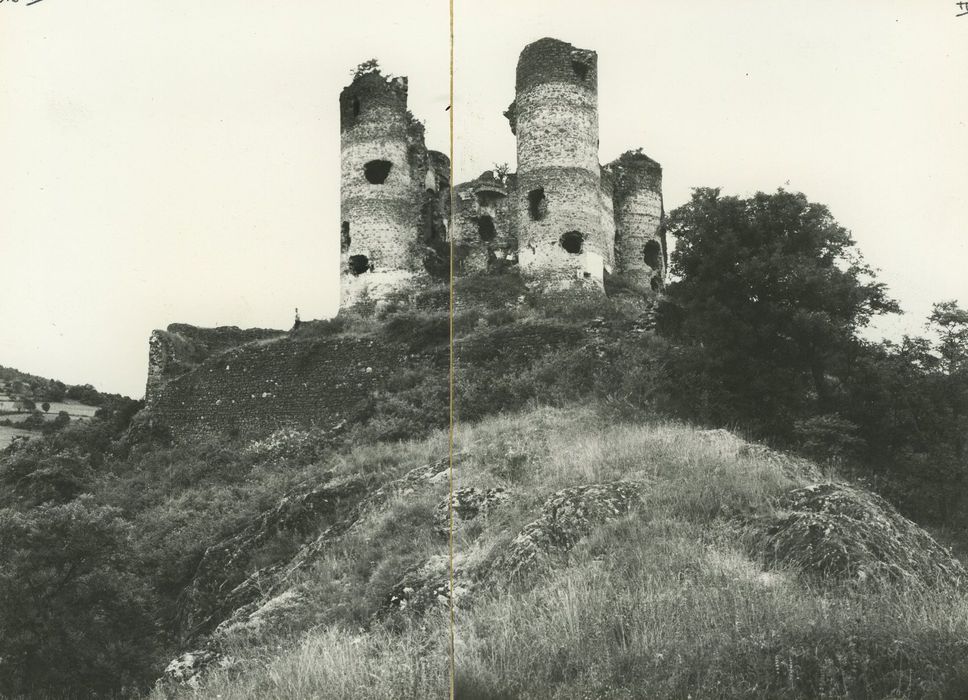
pixel 836 533
pixel 224 603
pixel 426 586
pixel 468 504
pixel 566 517
pixel 222 581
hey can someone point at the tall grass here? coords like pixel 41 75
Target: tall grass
pixel 665 602
pixel 336 663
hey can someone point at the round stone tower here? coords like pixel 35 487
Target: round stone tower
pixel 384 172
pixel 563 236
pixel 640 252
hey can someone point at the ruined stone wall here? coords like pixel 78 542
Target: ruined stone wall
pixel 384 175
pixel 639 241
pixel 484 236
pixel 562 233
pixel 182 347
pixel 253 389
pixel 605 193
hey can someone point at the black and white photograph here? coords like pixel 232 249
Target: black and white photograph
pixel 413 349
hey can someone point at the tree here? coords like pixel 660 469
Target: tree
pixel 770 294
pixel 949 324
pixel 45 406
pixel 75 615
pixel 370 65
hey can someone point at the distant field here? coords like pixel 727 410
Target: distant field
pixel 74 410
pixel 8 434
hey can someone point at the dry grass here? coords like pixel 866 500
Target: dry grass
pixel 662 603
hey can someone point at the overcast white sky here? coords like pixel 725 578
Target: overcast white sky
pixel 179 161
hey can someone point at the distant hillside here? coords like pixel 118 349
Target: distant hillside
pixel 16 385
pixel 30 404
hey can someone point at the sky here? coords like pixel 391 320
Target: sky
pixel 178 161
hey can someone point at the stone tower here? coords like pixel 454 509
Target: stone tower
pixel 384 172
pixel 639 235
pixel 563 232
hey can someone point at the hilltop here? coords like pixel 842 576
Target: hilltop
pixel 601 546
pixel 598 555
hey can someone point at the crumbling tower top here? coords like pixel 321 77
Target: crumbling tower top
pixel 370 97
pixel 550 60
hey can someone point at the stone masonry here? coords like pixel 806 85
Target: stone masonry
pixel 562 220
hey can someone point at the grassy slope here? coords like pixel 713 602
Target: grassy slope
pixel 664 602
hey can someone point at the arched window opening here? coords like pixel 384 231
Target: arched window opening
pixel 356 106
pixel 652 254
pixel 485 228
pixel 360 264
pixel 377 171
pixel 572 241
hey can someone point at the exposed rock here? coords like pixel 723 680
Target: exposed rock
pixel 835 532
pixel 187 667
pixel 469 503
pixel 423 587
pixel 226 603
pixel 222 582
pixel 565 518
pixel 268 613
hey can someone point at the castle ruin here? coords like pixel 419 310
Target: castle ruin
pixel 563 220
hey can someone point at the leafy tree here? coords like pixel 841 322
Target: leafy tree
pixel 371 65
pixel 769 297
pixel 62 419
pixel 45 406
pixel 86 394
pixel 949 324
pixel 74 615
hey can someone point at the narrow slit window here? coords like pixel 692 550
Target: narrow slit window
pixel 537 204
pixel 344 236
pixel 652 254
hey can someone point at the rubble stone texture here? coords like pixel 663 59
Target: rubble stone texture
pixel 388 189
pixel 564 220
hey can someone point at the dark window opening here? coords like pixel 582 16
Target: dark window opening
pixel 581 70
pixel 344 236
pixel 586 275
pixel 360 264
pixel 572 242
pixel 537 204
pixel 356 106
pixel 652 254
pixel 485 228
pixel 376 171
